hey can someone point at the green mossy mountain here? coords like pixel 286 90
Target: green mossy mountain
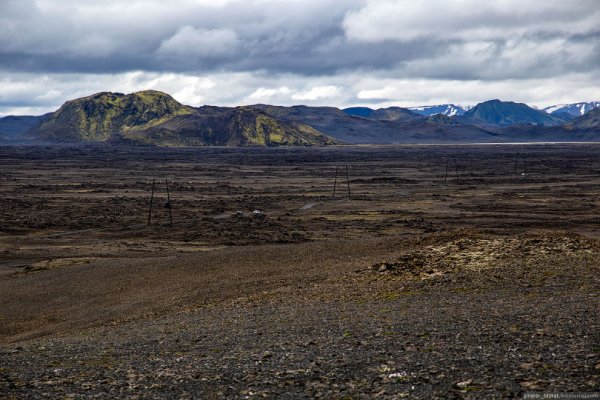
pixel 155 118
pixel 219 126
pixel 103 116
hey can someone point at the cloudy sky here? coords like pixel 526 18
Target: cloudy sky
pixel 317 52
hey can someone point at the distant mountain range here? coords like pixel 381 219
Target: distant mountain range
pixel 506 113
pixel 589 120
pixel 382 114
pixel 450 110
pixel 572 110
pixel 568 111
pixel 12 126
pixel 155 118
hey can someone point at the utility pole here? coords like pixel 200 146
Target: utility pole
pixel 335 180
pixel 168 205
pixel 447 166
pixel 348 181
pixel 456 168
pixel 151 201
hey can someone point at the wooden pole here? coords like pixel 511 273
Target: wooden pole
pixel 151 201
pixel 335 180
pixel 169 202
pixel 348 180
pixel 456 167
pixel 447 165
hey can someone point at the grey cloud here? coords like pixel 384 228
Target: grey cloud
pixel 373 52
pixel 309 38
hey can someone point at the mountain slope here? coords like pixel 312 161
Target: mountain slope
pixel 12 126
pixel 103 115
pixel 156 118
pixel 364 112
pixel 573 110
pixel 331 121
pixel 360 129
pixel 501 113
pixel 590 120
pixel 440 128
pixel 216 126
pixel 449 110
pixel 336 123
pixel 382 114
pixel 152 117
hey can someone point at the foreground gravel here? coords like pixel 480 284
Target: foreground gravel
pixel 470 334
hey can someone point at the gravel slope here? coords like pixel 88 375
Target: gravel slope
pixel 493 317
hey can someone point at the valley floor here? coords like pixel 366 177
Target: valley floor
pixel 480 281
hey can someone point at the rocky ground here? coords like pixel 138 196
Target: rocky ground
pixel 395 293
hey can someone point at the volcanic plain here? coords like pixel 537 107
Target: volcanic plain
pixel 466 271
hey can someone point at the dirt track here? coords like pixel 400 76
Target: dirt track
pixel 485 286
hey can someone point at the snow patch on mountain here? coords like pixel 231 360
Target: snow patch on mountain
pixel 575 109
pixel 449 110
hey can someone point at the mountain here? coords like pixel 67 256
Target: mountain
pixel 439 128
pixel 573 110
pixel 364 112
pixel 382 114
pixel 450 110
pixel 333 122
pixel 12 127
pixel 589 120
pixel 104 115
pixel 582 129
pixel 219 126
pixel 155 118
pixel 380 126
pixel 152 117
pixel 505 113
pixel 339 124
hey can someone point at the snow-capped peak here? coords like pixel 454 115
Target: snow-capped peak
pixel 575 109
pixel 449 110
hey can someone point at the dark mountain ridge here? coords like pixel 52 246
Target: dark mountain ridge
pixel 383 114
pixel 155 118
pixel 13 126
pixel 506 113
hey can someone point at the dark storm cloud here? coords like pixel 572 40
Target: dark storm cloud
pixel 290 51
pixel 71 36
pixel 302 37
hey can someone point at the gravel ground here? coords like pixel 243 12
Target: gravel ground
pixel 418 285
pixel 529 324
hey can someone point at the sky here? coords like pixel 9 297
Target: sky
pixel 315 52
